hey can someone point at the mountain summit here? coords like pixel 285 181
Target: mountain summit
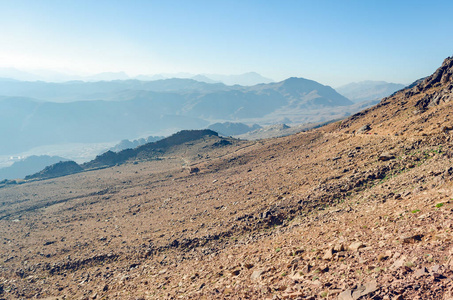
pixel 423 108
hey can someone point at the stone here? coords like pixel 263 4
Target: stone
pixel 194 170
pixel 435 268
pixel 420 272
pixel 339 248
pixel 235 272
pixel 328 254
pixel 413 239
pixel 256 274
pixel 292 295
pixel 345 295
pixel 356 246
pixel 364 290
pixel 382 257
pixel 307 269
pixel 248 265
pixel 437 276
pixel 385 156
pixel 399 262
pixel 296 275
pixel 364 128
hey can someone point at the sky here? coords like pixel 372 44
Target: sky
pixel 332 42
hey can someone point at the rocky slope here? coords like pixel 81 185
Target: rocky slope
pixel 357 209
pixel 148 151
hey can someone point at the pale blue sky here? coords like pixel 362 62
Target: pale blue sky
pixel 333 42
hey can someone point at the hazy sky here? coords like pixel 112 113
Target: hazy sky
pixel 333 42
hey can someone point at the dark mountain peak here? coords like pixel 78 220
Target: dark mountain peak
pixel 178 138
pixel 29 165
pixel 443 75
pixel 232 128
pixel 149 150
pixel 59 169
pixel 436 88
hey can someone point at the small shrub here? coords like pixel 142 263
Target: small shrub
pixel 278 250
pixel 410 264
pixel 415 211
pixel 438 205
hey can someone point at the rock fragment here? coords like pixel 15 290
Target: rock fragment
pixel 358 292
pixel 364 128
pixel 256 274
pixel 356 246
pixel 385 156
pixel 413 239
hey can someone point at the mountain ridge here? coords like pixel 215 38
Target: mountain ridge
pixel 135 108
pixel 368 90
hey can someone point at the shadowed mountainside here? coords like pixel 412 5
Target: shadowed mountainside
pixel 149 151
pixel 230 128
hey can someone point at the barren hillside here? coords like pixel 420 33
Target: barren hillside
pixel 358 209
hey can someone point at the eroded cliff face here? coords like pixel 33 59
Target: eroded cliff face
pixel 441 84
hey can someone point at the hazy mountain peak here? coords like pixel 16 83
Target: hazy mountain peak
pixel 108 76
pixel 245 79
pixel 368 90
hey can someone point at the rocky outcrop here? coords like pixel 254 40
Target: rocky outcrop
pixel 443 78
pixel 149 150
pixel 62 168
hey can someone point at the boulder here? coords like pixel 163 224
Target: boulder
pixel 385 156
pixel 256 274
pixel 356 246
pixel 364 128
pixel 328 255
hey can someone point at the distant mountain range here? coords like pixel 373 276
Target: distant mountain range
pixel 231 128
pixel 247 79
pixel 368 90
pixel 127 108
